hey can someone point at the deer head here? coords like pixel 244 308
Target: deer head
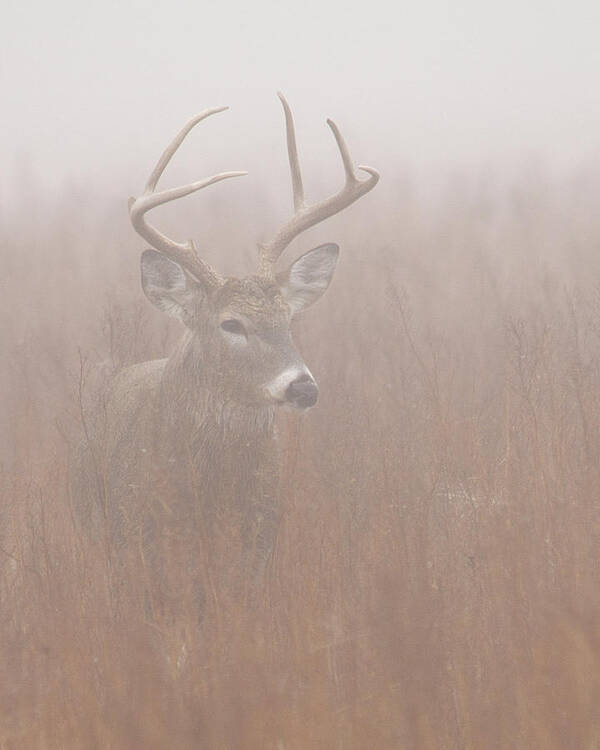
pixel 240 328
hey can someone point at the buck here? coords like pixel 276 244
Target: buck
pixel 192 436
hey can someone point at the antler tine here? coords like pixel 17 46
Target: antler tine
pixel 290 132
pixel 305 215
pixel 181 252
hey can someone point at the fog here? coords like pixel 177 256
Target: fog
pixel 432 580
pixel 90 92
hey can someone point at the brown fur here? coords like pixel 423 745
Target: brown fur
pixel 185 447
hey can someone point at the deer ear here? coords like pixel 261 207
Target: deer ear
pixel 308 277
pixel 167 286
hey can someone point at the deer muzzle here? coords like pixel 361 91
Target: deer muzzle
pixel 294 387
pixel 302 392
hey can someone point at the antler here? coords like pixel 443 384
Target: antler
pixel 181 252
pixel 306 215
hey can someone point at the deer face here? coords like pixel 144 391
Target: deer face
pixel 240 330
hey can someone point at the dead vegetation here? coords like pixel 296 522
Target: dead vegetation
pixel 435 581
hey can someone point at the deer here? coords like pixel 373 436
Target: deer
pixel 192 436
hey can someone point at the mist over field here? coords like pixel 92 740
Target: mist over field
pixel 434 581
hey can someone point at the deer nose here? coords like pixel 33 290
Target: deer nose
pixel 302 392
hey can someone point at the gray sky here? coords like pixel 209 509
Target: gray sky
pixel 93 90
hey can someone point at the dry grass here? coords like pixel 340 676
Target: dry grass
pixel 436 580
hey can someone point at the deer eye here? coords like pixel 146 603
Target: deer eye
pixel 234 326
